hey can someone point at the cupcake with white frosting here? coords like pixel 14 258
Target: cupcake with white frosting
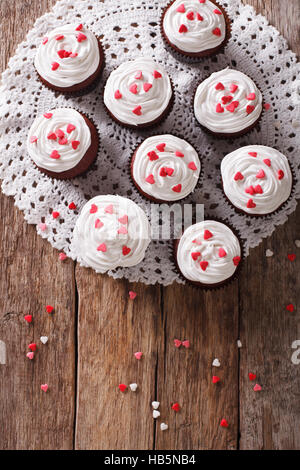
pixel 63 143
pixel 257 180
pixel 138 93
pixel 110 232
pixel 165 168
pixel 228 103
pixel 208 254
pixel 195 28
pixel 69 59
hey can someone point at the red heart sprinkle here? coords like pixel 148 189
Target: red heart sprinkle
pixel 226 99
pixel 186 344
pixel 161 147
pixel 224 423
pixel 75 144
pixel 233 88
pixel 203 265
pixel 30 355
pixel 199 17
pixel 217 12
pixel 251 97
pixel 33 139
pixel 250 109
pixel 102 247
pixel 280 174
pixel 126 250
pixel 72 206
pixel 219 108
pixel 267 161
pixel 257 388
pixel 93 209
pixel 81 37
pixel 55 155
pixel 251 376
pixel 147 87
pixel 215 379
pixel 202 1
pixel 32 347
pixel 45 40
pixel 267 106
pixel 163 172
pixel 217 32
pixel 133 88
pixel 253 154
pixel 79 27
pixel 59 37
pixel 176 407
pixel 292 257
pixel 60 133
pixel 67 54
pixel 70 128
pixel 137 110
pixel 133 295
pixel 51 136
pixel 258 189
pixel 98 223
pixel 182 29
pixel 236 260
pixel 61 53
pixel 196 255
pixel 251 204
pixel 207 235
pixel 238 176
pixel 48 115
pixel 261 174
pixel 157 74
pixel 123 220
pixel 28 318
pixel 55 66
pixel 192 166
pixel 179 154
pixel 250 190
pixel 190 16
pixel 44 387
pixel 177 189
pixel 236 104
pixel 49 308
pixel 150 179
pixel 231 107
pixel 152 156
pixel 122 230
pixel 122 388
pixel 118 95
pixel 138 75
pixel 290 307
pixel 222 253
pixel 177 343
pixel 109 209
pixel 181 8
pixel 220 86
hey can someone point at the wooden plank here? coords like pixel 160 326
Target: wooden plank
pixel 270 419
pixel 31 278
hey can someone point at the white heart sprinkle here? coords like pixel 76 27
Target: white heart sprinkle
pixel 216 363
pixel 164 426
pixel 269 253
pixel 156 414
pixel 239 343
pixel 44 339
pixel 155 405
pixel 133 387
pixel 297 243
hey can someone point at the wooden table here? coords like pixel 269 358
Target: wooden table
pixel 96 329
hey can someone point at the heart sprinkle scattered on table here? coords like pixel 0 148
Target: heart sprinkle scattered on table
pixel 257 388
pixel 133 387
pixel 216 363
pixel 32 347
pixel 44 339
pixel 239 343
pixel 155 405
pixel 132 294
pixel 224 423
pixel 186 344
pixel 292 257
pixel 290 307
pixel 164 426
pixel 62 256
pixel 176 407
pixel 269 253
pixel 297 243
pixel 28 318
pixel 42 227
pixel 251 376
pixel 44 387
pixel 30 355
pixel 177 343
pixel 156 414
pixel 49 308
pixel 215 379
pixel 122 388
pixel 138 355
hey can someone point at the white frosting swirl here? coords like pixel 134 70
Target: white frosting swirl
pixel 175 176
pixel 133 87
pixel 256 177
pixel 44 139
pixel 75 68
pixel 245 103
pixel 218 255
pixel 200 21
pixel 107 228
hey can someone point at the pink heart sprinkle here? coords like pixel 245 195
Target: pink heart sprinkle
pixel 186 344
pixel 267 161
pixel 192 166
pixel 33 139
pixel 150 179
pixel 93 209
pixel 137 110
pixel 74 54
pixel 70 128
pixel 98 223
pixel 169 171
pixel 250 190
pixel 75 144
pixel 133 88
pixel 231 108
pixel 62 256
pixel 260 174
pixel 258 189
pixel 45 40
pixel 233 88
pixel 138 75
pixel 48 115
pixel 122 230
pixel 30 355
pixel 51 136
pixel 55 155
pixel 181 8
pixel 43 227
pixel 138 355
pixel 222 253
pixel 161 147
pixel 63 141
pixel 147 87
pixel 44 387
pixel 109 209
pixel 257 388
pixel 157 74
pixel 60 134
pixel 118 95
pixel 132 294
pixel 226 99
pixel 179 154
pixel 251 97
pixel 102 248
pixel 219 108
pixel 123 220
pixel 177 343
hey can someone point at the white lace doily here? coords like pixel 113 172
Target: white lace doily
pixel 130 28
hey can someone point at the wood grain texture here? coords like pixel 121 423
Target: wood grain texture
pixel 110 328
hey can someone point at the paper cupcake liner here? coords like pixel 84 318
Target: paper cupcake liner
pixel 179 54
pixel 146 126
pixel 153 199
pixel 68 178
pixel 224 283
pixel 85 90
